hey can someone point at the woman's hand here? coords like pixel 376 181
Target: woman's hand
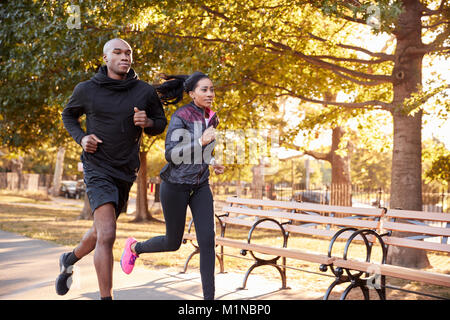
pixel 218 169
pixel 208 136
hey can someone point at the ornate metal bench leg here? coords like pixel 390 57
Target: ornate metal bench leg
pixel 331 287
pixel 262 262
pixel 220 258
pixel 365 292
pixel 189 259
pixel 382 291
pixel 355 283
pixel 282 272
pixel 347 290
pixel 247 274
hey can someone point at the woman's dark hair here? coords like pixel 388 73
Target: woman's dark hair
pixel 171 90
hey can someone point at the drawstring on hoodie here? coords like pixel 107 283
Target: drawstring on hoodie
pixel 122 126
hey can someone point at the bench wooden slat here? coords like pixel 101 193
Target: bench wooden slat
pixel 275 251
pixel 395 271
pixel 313 231
pixel 408 227
pixel 189 236
pixel 323 233
pixel 417 244
pixel 303 217
pixel 288 253
pixel 250 223
pixel 306 206
pixel 418 215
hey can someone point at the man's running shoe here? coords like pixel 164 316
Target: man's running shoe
pixel 128 257
pixel 64 280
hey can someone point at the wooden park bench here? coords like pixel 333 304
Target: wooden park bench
pixel 370 226
pixel 397 228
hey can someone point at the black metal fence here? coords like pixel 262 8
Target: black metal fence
pixel 435 199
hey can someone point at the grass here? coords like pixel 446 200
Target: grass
pixel 24 197
pixel 64 227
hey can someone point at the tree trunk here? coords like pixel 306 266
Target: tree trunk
pixel 406 176
pixel 16 167
pixel 341 191
pixel 142 213
pixel 341 183
pixel 157 190
pixel 59 165
pixel 257 180
pixel 86 212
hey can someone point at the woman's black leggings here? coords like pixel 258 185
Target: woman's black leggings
pixel 174 199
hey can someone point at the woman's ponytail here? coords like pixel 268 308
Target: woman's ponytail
pixel 171 90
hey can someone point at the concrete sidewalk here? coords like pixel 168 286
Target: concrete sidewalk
pixel 29 267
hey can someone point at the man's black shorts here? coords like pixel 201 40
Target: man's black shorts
pixel 102 188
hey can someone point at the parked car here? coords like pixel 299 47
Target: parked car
pixel 313 196
pixel 81 188
pixel 72 189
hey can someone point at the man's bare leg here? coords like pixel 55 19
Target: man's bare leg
pixel 105 225
pixel 67 260
pixel 87 243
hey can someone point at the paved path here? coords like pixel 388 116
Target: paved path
pixel 29 267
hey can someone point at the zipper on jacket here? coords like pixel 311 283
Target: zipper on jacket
pixel 206 127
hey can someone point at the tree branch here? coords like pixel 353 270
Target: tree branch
pixel 377 79
pixel 350 59
pixel 348 4
pixel 363 83
pixel 318 155
pixel 213 12
pixel 330 66
pixel 436 24
pixel 193 38
pixel 315 154
pixel 352 105
pixel 292 146
pixel 381 55
pixel 360 21
pixel 434 46
pixel 425 50
pixel 429 12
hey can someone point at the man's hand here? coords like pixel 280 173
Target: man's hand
pixel 140 119
pixel 90 142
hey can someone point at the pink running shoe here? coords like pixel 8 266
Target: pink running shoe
pixel 128 257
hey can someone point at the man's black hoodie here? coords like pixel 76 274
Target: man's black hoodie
pixel 109 108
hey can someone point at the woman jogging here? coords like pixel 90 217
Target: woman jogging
pixel 185 178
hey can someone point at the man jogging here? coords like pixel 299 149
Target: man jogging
pixel 118 107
